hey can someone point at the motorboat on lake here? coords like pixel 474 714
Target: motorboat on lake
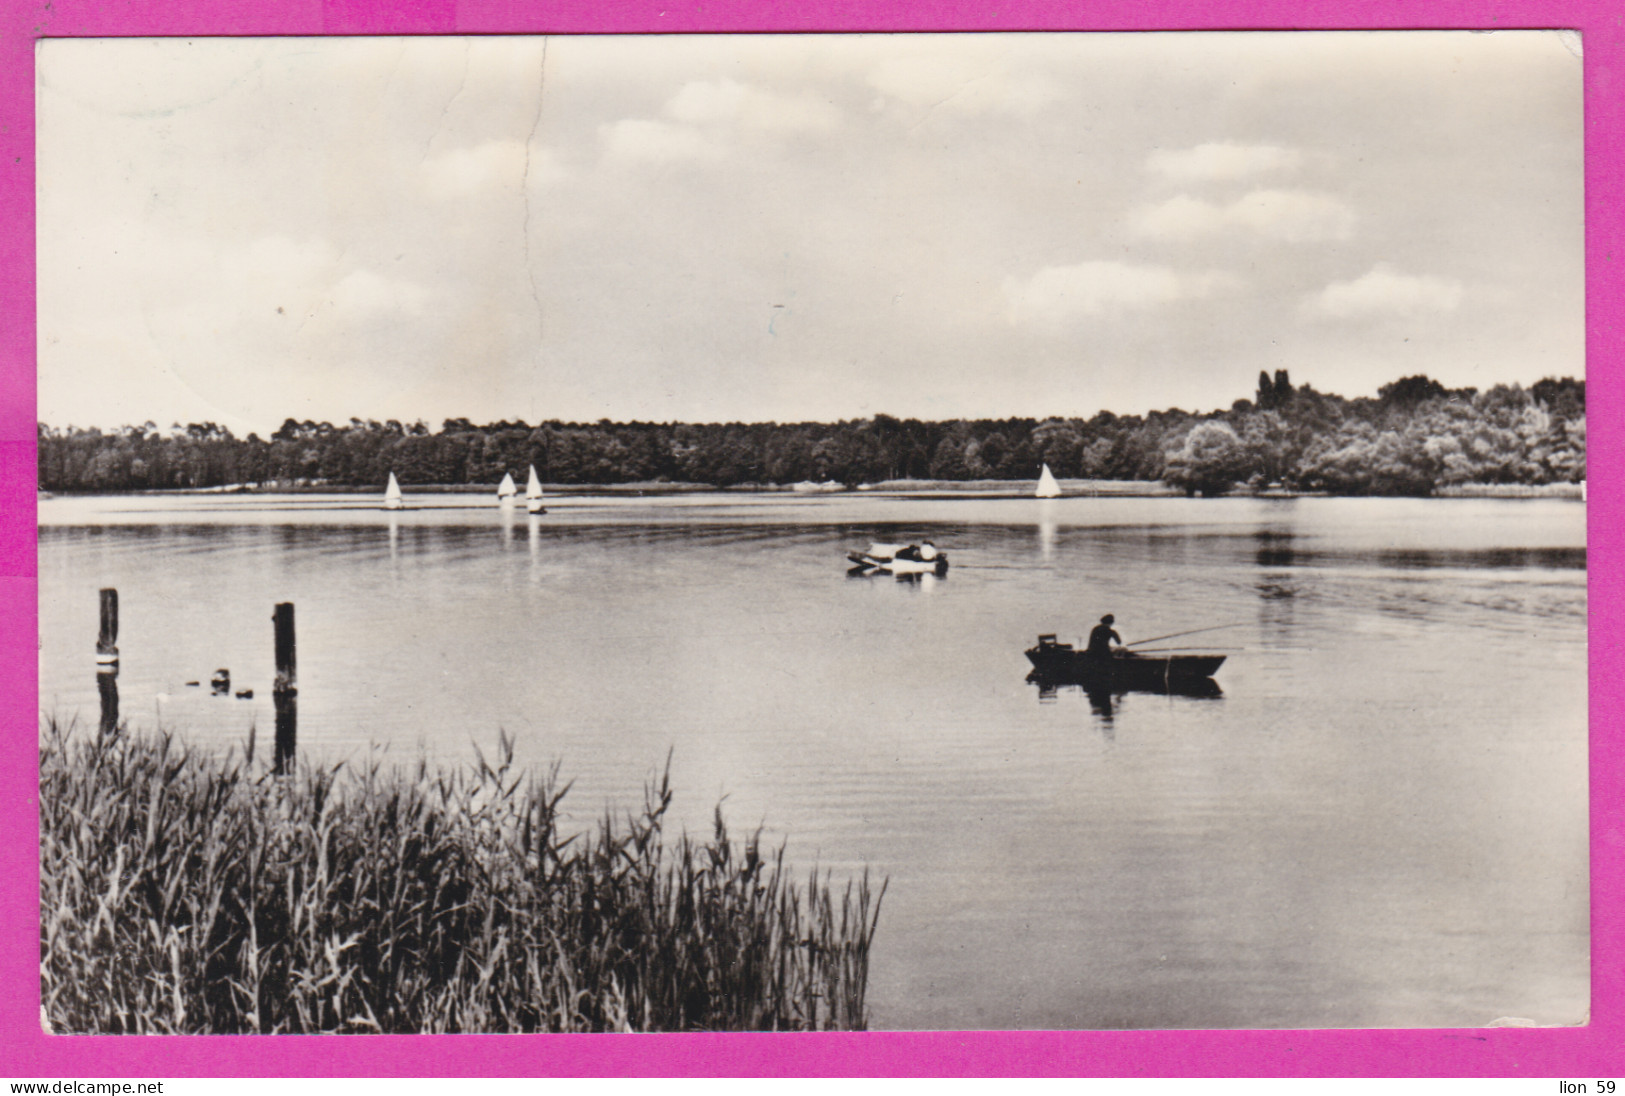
pixel 1062 663
pixel 901 559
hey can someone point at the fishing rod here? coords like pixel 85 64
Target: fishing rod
pixel 1176 635
pixel 1171 650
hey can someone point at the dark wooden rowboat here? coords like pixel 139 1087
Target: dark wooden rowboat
pixel 1061 662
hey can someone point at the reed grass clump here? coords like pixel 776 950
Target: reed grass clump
pixel 189 892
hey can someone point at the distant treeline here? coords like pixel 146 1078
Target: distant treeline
pixel 1415 436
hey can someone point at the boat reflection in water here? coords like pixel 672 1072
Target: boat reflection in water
pixel 1102 695
pixel 921 580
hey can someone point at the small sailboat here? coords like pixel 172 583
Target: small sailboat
pixel 1047 487
pixel 507 490
pixel 392 494
pixel 533 494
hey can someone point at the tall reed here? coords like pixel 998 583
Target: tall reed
pixel 185 891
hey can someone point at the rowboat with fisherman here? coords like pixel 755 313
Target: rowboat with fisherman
pixel 1108 662
pixel 1125 667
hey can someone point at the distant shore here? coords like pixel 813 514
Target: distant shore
pixel 903 487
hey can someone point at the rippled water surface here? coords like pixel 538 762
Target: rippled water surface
pixel 1380 822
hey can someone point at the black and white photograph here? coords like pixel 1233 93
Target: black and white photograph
pixel 806 532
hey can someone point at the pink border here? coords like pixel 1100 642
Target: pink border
pixel 1581 1053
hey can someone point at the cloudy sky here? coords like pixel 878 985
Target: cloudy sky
pixel 797 227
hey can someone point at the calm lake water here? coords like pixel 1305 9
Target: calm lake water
pixel 1381 822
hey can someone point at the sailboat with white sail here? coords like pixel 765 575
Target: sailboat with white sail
pixel 1047 487
pixel 392 494
pixel 533 494
pixel 506 490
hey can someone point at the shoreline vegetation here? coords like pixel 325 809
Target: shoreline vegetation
pixel 184 891
pixel 1415 438
pixel 889 489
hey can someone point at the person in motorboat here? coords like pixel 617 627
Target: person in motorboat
pixel 924 552
pixel 1102 637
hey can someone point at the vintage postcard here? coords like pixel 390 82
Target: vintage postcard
pixel 1003 532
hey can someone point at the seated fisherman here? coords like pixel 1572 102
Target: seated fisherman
pixel 1102 637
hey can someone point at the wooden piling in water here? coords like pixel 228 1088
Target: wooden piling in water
pixel 286 706
pixel 284 689
pixel 107 689
pixel 107 641
pixel 107 661
pixel 286 670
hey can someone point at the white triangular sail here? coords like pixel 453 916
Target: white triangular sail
pixel 533 493
pixel 1047 487
pixel 392 494
pixel 507 490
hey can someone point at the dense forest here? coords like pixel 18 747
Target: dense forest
pixel 1415 436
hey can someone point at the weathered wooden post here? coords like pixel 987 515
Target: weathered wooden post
pixel 287 728
pixel 107 641
pixel 284 689
pixel 107 661
pixel 286 676
pixel 107 687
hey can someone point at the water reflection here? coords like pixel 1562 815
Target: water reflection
pixel 1199 688
pixel 107 688
pixel 918 580
pixel 1105 701
pixel 1278 591
pixel 507 508
pixel 394 538
pixel 1548 559
pixel 286 703
pixel 1277 609
pixel 1046 529
pixel 1274 548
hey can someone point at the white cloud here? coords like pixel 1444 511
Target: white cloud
pixel 488 166
pixel 704 119
pixel 1385 291
pixel 962 84
pixel 705 115
pixel 1057 294
pixel 728 102
pixel 362 293
pixel 643 140
pixel 1179 218
pixel 1222 161
pixel 196 286
pixel 1293 216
